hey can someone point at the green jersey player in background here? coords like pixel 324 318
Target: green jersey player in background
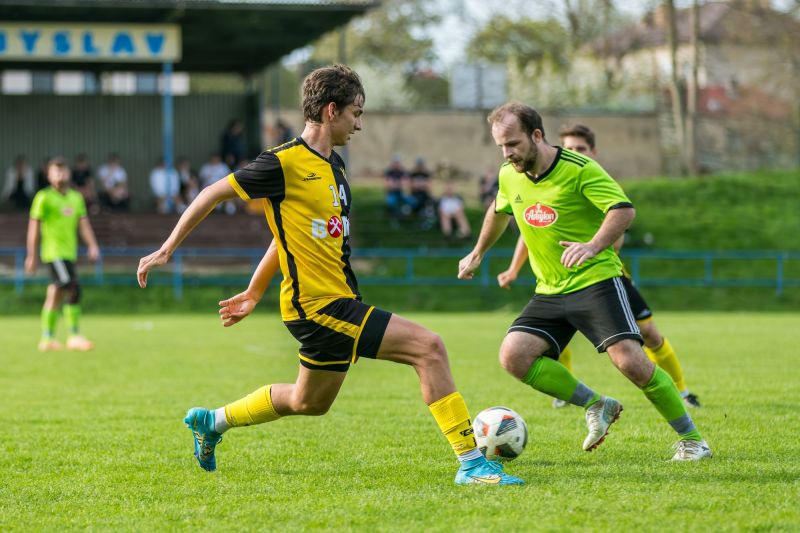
pixel 58 213
pixel 570 212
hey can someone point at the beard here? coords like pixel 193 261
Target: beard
pixel 528 162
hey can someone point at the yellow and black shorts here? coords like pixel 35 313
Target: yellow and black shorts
pixel 339 333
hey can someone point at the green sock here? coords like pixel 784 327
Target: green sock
pixel 72 316
pixel 49 321
pixel 664 396
pixel 551 377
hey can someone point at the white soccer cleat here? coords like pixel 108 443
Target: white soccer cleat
pixel 79 343
pixel 50 345
pixel 599 418
pixel 691 450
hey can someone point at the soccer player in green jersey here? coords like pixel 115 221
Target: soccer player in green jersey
pixel 570 212
pixel 307 200
pixel 581 139
pixel 58 213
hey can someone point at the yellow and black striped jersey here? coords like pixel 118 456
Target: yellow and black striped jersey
pixel 307 207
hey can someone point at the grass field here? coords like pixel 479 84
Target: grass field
pixel 95 441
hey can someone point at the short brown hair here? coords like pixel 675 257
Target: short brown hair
pixel 578 130
pixel 338 84
pixel 528 117
pixel 57 161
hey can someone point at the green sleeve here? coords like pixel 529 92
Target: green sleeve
pixel 600 188
pixel 37 207
pixel 81 206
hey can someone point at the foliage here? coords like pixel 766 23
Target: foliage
pixel 95 441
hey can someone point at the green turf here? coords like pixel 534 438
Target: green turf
pixel 95 441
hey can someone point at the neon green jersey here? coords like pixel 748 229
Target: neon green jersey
pixel 568 202
pixel 59 215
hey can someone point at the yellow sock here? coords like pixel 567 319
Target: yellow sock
pixel 665 357
pixel 452 417
pixel 566 358
pixel 255 408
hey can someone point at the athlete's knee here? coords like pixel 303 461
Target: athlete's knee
pixel 430 349
pixel 652 338
pixel 312 406
pixel 73 293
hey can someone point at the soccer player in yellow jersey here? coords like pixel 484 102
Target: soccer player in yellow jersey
pixel 307 206
pixel 581 139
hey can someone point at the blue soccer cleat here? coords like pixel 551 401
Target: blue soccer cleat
pixel 201 422
pixel 483 472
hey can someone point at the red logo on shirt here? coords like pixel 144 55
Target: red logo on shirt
pixel 540 216
pixel 334 226
pixel 67 211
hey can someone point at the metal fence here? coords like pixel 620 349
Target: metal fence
pixel 696 268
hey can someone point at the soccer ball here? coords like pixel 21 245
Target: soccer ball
pixel 501 433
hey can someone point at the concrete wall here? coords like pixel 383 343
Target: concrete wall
pixel 628 145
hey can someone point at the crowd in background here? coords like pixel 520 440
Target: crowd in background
pixel 409 194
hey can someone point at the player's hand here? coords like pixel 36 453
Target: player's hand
pixel 468 265
pixel 236 308
pixel 30 264
pixel 157 258
pixel 93 252
pixel 506 278
pixel 576 253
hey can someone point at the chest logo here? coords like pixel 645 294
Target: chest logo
pixel 335 226
pixel 540 215
pixel 67 211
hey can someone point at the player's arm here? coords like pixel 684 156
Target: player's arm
pixel 236 308
pixel 32 242
pixel 619 242
pixel 507 277
pixel 87 234
pixel 613 227
pixel 198 210
pixel 493 226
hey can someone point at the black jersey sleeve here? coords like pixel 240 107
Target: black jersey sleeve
pixel 262 178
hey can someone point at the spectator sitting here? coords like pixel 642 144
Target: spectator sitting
pixel 233 146
pixel 83 182
pixel 214 170
pixel 283 133
pixel 488 184
pixel 189 183
pixel 424 204
pixel 165 185
pixel 393 178
pixel 451 209
pixel 20 185
pixel 113 185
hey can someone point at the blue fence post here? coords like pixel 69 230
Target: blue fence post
pixel 409 268
pixel 98 270
pixel 636 267
pixel 709 270
pixel 177 275
pixel 485 277
pixel 779 274
pixel 19 271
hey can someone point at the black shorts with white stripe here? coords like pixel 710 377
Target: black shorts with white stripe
pixel 63 272
pixel 641 311
pixel 601 312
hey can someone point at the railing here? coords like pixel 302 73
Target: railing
pixel 406 268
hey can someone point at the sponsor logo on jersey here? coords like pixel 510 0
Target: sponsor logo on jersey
pixel 518 199
pixel 67 211
pixel 540 215
pixel 311 177
pixel 335 226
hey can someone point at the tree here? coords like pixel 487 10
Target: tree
pixel 678 112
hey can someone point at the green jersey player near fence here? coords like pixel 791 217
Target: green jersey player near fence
pixel 570 212
pixel 57 215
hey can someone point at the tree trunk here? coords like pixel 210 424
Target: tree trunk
pixel 678 113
